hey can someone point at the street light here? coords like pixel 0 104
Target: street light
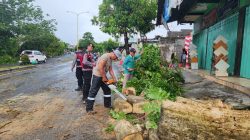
pixel 77 24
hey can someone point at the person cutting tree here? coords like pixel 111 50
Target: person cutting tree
pixel 100 80
pixel 129 65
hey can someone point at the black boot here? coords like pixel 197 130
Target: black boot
pixel 78 89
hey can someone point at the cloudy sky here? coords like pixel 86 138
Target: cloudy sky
pixel 66 28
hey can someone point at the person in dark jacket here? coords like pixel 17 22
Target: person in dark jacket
pixel 77 62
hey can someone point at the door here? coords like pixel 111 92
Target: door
pixel 245 60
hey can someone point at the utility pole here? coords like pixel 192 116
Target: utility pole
pixel 77 25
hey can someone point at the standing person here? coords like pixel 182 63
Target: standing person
pixel 77 62
pixel 88 64
pixel 183 57
pixel 104 65
pixel 129 65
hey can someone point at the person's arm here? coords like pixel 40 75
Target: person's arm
pixel 111 72
pixel 74 63
pixel 138 56
pixel 101 67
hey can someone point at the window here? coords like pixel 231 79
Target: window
pixel 27 52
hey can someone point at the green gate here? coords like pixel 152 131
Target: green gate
pixel 200 40
pixel 227 28
pixel 245 61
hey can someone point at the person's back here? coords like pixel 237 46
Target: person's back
pixel 105 57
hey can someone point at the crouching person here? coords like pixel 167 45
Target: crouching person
pixel 99 80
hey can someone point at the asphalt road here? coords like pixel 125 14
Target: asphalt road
pixel 38 79
pixel 42 104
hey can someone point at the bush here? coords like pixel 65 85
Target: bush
pixel 25 60
pixel 150 73
pixel 6 59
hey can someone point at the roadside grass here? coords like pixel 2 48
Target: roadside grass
pixel 3 68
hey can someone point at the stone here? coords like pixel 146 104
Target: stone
pixel 121 105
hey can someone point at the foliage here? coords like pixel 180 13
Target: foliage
pixel 86 39
pixel 153 110
pixel 155 93
pixel 6 59
pixel 106 46
pixel 110 128
pixel 117 115
pixel 123 116
pixel 156 81
pixel 150 73
pixel 119 17
pixel 24 25
pixel 25 60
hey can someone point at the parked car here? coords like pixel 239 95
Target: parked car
pixel 34 56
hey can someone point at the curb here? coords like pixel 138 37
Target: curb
pixel 238 87
pixel 4 73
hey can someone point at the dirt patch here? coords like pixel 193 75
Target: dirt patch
pixel 52 116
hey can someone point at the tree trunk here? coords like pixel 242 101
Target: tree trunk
pixel 124 130
pixel 126 45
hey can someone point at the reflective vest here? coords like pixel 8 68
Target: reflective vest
pixel 90 58
pixel 79 59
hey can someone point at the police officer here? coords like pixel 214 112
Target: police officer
pixel 77 62
pixel 88 64
pixel 99 79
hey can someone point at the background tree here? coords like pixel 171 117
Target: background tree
pixel 106 46
pixel 86 39
pixel 23 26
pixel 126 17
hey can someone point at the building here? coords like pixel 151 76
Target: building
pixel 211 19
pixel 173 44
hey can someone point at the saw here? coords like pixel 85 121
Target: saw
pixel 114 88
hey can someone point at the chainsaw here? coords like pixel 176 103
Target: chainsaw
pixel 111 85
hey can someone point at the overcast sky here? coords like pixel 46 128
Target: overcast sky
pixel 66 28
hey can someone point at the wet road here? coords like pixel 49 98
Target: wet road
pixel 41 104
pixel 38 79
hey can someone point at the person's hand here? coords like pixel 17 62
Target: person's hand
pixel 105 79
pixel 72 69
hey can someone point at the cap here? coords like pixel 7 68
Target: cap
pixel 132 50
pixel 118 54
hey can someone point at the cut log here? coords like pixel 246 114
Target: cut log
pixel 153 135
pixel 138 107
pixel 124 130
pixel 129 91
pixel 135 99
pixel 121 105
pixel 197 119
